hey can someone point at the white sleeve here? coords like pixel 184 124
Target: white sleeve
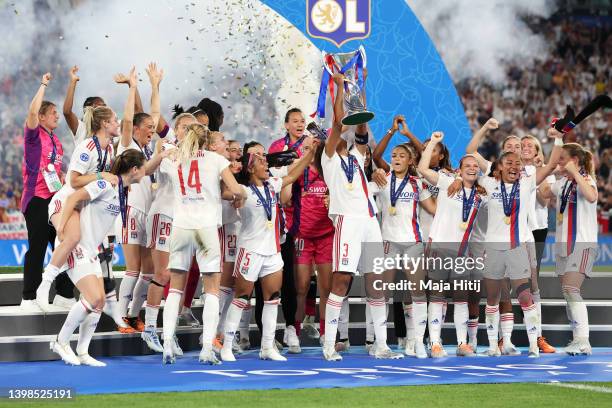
pixel 424 192
pixel 489 165
pixel 444 181
pixel 279 171
pixel 487 182
pixel 96 188
pixel 222 163
pixel 277 183
pixel 81 159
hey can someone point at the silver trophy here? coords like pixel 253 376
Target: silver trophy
pixel 355 109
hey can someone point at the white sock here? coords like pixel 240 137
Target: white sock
pixel 580 319
pixel 332 313
pixel 140 294
pixel 419 310
pixel 460 318
pixel 268 322
pixel 171 309
pixel 234 312
pixel 378 309
pixel 538 302
pixel 570 318
pixel 111 308
pixel 125 291
pixel 369 324
pixel 245 321
pixel 86 331
pixel 435 320
pixel 78 313
pixel 151 312
pixel 343 319
pixel 225 298
pixel 532 323
pixel 473 330
pixel 409 321
pixel 507 326
pixel 492 323
pixel 50 273
pixel 210 316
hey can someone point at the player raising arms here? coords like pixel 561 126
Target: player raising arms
pixel 507 232
pixel 450 233
pixel 352 210
pixel 90 161
pixel 196 174
pixel 159 227
pixel 259 247
pixel 576 237
pixel 101 204
pixel 133 231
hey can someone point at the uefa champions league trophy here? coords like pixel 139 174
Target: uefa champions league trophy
pixel 349 64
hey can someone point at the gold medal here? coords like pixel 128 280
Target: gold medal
pixel 507 220
pixel 392 210
pixel 559 218
pixel 349 186
pixel 463 225
pixel 270 224
pixel 154 186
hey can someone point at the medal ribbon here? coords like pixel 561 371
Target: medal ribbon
pixel 348 168
pixel 568 188
pixel 267 202
pixel 508 203
pixel 395 194
pixel 123 198
pixel 101 163
pixel 467 204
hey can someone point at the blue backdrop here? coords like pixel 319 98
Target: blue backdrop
pixel 405 73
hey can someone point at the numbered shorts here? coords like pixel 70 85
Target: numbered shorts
pixel 509 263
pixel 581 261
pixel 135 230
pixel 159 227
pixel 354 239
pixel 229 235
pixel 203 242
pixel 81 263
pixel 316 251
pixel 252 266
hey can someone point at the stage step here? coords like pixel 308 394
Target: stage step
pixel 596 288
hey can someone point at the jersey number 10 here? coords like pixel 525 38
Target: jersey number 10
pixel 193 179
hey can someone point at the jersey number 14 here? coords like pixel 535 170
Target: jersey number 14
pixel 193 179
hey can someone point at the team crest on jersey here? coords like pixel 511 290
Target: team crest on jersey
pixel 78 253
pixel 231 252
pixel 244 270
pixel 345 261
pixel 84 157
pixel 338 21
pixel 162 240
pixel 134 235
pixel 102 184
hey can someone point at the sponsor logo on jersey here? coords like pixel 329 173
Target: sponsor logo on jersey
pixel 84 157
pixel 113 208
pixel 102 184
pixel 409 195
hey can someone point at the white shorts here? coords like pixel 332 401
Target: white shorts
pixel 81 264
pixel 57 204
pixel 135 231
pixel 159 227
pixel 229 235
pixel 410 250
pixel 252 266
pixel 581 260
pixel 531 253
pixel 354 237
pixel 204 243
pixel 511 263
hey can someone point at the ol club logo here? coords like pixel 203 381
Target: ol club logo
pixel 338 21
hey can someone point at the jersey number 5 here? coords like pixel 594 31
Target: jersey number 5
pixel 193 179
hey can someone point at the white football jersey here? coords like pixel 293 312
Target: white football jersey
pixel 140 196
pixel 163 197
pixel 229 213
pixel 425 218
pixel 499 234
pixel 355 200
pixel 98 215
pixel 447 224
pixel 255 233
pixel 579 219
pixel 197 190
pixel 541 212
pixel 404 225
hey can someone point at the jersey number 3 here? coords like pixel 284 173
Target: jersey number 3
pixel 193 179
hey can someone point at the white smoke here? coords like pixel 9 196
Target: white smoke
pixel 480 38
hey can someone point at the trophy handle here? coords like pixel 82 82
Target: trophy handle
pixel 325 66
pixel 363 55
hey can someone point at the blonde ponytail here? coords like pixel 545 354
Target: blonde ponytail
pixel 198 137
pixel 93 118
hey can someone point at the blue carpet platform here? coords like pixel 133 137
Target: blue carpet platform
pixel 306 370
